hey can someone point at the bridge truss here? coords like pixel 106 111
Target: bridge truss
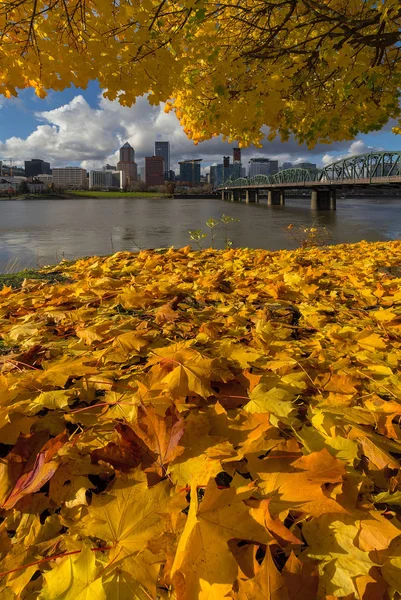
pixel 362 166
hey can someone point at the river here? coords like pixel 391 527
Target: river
pixel 40 232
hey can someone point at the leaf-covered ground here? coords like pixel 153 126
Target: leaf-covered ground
pixel 216 424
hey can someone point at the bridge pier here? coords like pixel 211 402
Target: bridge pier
pixel 333 199
pixel 275 197
pixel 251 196
pixel 235 195
pixel 323 200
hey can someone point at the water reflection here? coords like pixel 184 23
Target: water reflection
pixel 36 232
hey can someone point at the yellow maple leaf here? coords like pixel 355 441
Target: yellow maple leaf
pixel 127 518
pixel 202 553
pixel 182 370
pixel 75 578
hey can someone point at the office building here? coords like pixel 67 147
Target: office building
pixel 237 155
pixel 44 178
pixel 286 165
pixel 36 166
pixel 306 165
pixel 127 153
pixel 127 165
pixel 216 175
pixel 262 166
pixel 219 174
pixel 190 172
pixel 163 149
pixel 154 170
pixel 235 171
pixel 72 178
pixel 106 180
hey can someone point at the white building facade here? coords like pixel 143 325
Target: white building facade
pixel 72 178
pixel 45 178
pixel 106 180
pixel 262 166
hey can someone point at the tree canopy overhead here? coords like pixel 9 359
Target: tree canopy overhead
pixel 320 70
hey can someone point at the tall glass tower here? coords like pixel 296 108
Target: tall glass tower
pixel 163 149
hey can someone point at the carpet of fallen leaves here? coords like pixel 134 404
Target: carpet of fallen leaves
pixel 215 424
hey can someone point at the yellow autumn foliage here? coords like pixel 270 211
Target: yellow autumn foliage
pixel 320 71
pixel 192 425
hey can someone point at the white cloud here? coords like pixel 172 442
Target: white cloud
pixel 356 147
pixel 77 133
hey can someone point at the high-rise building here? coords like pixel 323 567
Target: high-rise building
pixel 216 175
pixel 36 166
pixel 237 155
pixel 127 153
pixel 190 172
pixel 154 170
pixel 226 168
pixel 103 179
pixel 262 166
pixel 163 149
pixel 127 165
pixel 73 178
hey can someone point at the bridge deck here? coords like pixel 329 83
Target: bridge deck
pixel 378 181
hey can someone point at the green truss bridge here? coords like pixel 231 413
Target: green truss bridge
pixel 378 169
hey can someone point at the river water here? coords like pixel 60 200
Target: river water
pixel 41 232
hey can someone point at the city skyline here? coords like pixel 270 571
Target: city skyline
pixel 126 153
pixel 82 128
pixel 157 173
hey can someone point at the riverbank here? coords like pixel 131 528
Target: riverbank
pixel 244 396
pixel 86 194
pixel 94 194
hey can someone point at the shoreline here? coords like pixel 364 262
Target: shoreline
pixel 84 197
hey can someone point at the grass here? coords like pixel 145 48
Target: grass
pixel 15 280
pixel 90 194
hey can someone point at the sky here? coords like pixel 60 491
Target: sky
pixel 80 127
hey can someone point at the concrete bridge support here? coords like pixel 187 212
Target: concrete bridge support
pixel 251 196
pixel 333 199
pixel 275 197
pixel 323 200
pixel 235 195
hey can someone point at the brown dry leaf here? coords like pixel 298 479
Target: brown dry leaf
pixel 161 434
pixel 301 578
pixel 36 475
pixel 268 583
pixel 129 452
pixel 278 530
